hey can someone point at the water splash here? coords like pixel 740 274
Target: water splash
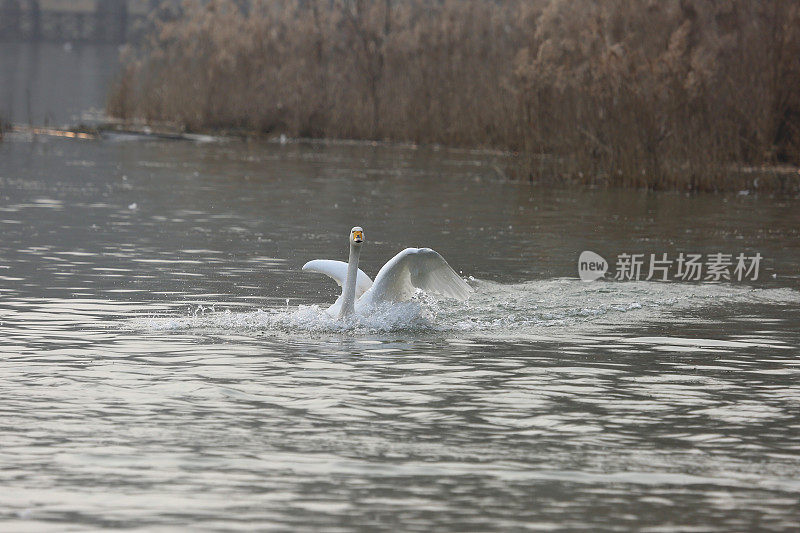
pixel 502 309
pixel 408 316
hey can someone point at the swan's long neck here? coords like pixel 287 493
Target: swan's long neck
pixel 349 294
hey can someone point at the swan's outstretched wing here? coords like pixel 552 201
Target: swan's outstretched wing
pixel 338 271
pixel 417 268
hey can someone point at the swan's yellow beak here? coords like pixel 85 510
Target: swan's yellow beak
pixel 358 236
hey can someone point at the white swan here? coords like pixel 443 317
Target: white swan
pixel 411 269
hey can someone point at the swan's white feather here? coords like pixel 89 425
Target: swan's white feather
pixel 411 269
pixel 337 270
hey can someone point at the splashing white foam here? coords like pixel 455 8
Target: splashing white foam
pixel 304 318
pixel 494 308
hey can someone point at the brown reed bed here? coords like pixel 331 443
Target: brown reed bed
pixel 668 94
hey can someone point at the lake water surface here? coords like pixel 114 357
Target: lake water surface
pixel 165 365
pixel 55 84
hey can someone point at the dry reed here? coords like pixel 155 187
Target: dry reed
pixel 669 94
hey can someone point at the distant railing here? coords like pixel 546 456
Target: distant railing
pixel 104 21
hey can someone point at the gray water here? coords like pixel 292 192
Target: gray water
pixel 165 364
pixel 55 84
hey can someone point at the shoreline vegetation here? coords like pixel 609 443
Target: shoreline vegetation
pixel 664 95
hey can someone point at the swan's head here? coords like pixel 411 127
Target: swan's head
pixel 356 236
